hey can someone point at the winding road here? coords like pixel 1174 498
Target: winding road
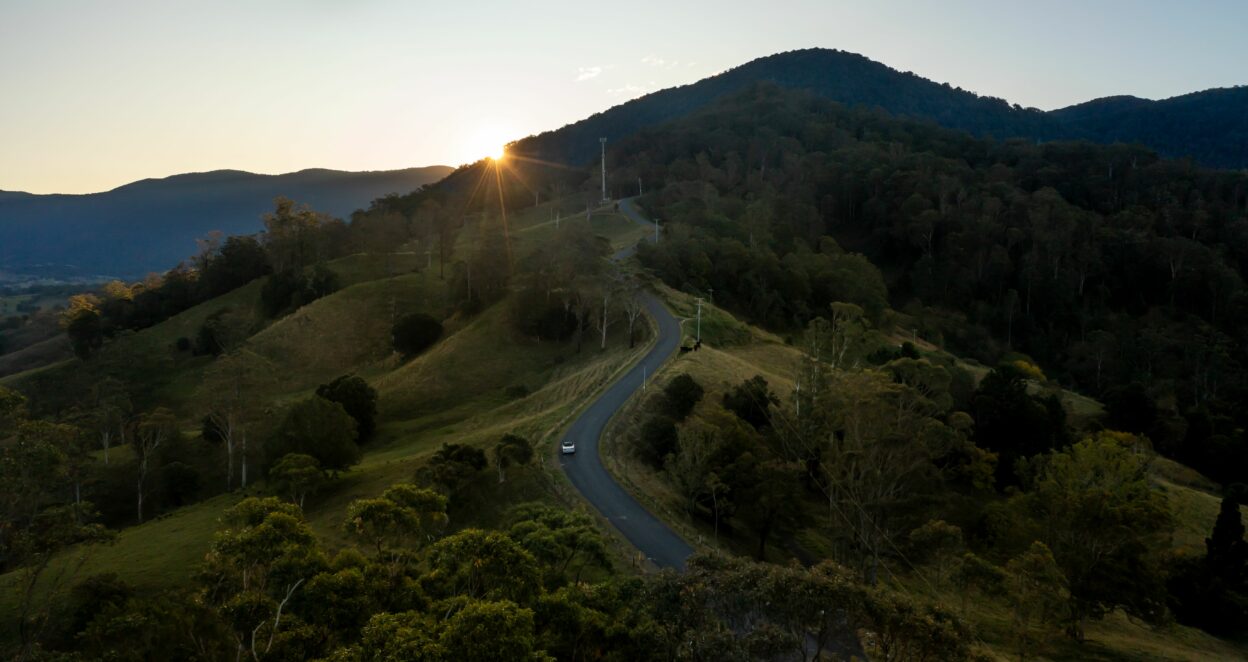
pixel 585 469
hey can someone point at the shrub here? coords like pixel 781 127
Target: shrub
pixel 658 440
pixel 357 398
pixel 680 396
pixel 414 333
pixel 319 428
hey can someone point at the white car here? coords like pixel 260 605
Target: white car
pixel 568 447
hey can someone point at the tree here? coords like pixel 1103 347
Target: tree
pixel 680 396
pixel 231 407
pixel 34 526
pixel 1094 505
pixel 293 236
pixel 657 440
pixel 1036 589
pixel 319 428
pixel 939 544
pixel 402 519
pixel 633 309
pixel 107 409
pixel 152 431
pixel 13 411
pixel 769 499
pixel 453 467
pixel 1225 548
pixel 511 450
pixel 879 442
pixel 558 539
pixel 414 333
pixel 83 324
pixel 391 637
pixel 254 568
pixel 1012 423
pixel 237 262
pixel 297 475
pixel 482 630
pixel 603 319
pixel 976 576
pixel 1212 592
pixel 483 565
pixel 357 398
pixel 752 401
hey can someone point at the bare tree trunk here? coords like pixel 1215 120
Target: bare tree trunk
pixel 603 326
pixel 106 440
pixel 142 476
pixel 243 458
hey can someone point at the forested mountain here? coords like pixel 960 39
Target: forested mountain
pixel 152 224
pixel 1211 126
pixel 1119 273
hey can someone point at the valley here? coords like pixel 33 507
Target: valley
pixel 810 359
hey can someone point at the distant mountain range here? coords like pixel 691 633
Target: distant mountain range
pixel 1210 127
pixel 151 225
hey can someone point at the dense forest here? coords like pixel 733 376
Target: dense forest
pixel 1119 273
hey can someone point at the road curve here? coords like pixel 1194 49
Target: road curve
pixel 585 469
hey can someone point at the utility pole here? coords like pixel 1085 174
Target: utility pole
pixel 638 187
pixel 699 319
pixel 643 377
pixel 711 292
pixel 603 142
pixel 656 230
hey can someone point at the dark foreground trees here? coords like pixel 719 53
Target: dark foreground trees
pixel 269 590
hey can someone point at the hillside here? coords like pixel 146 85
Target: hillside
pixel 152 224
pixel 734 351
pixel 1211 126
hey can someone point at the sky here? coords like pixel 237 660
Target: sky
pixel 97 94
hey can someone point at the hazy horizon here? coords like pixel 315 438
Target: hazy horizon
pixel 109 94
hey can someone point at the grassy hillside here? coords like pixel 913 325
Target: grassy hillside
pixel 734 351
pixel 460 391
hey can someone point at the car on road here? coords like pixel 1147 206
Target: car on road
pixel 568 447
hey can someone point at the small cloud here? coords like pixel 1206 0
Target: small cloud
pixel 655 61
pixel 586 73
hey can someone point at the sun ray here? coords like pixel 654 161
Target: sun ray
pixel 502 207
pixel 520 178
pixel 472 196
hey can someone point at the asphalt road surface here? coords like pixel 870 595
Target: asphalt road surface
pixel 584 468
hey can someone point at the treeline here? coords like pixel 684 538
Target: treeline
pixel 292 251
pixel 1119 272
